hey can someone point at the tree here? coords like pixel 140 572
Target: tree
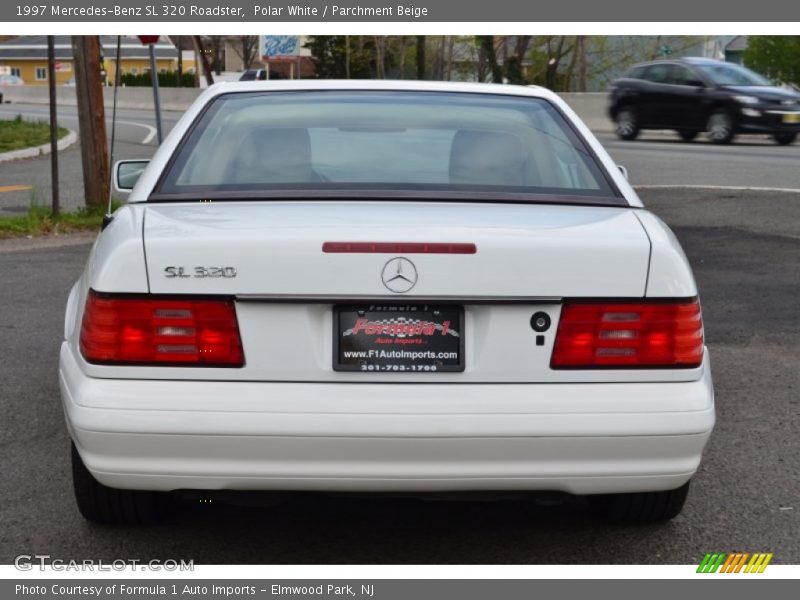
pixel 345 57
pixel 216 42
pixel 515 61
pixel 402 51
pixel 775 56
pixel 505 57
pixel 200 51
pixel 420 56
pixel 246 48
pixel 552 53
pixel 331 55
pixel 380 56
pixel 486 45
pixel 582 65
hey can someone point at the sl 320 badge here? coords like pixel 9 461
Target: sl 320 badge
pixel 200 272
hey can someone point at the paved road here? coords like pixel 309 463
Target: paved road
pixel 656 159
pixel 664 159
pixel 745 249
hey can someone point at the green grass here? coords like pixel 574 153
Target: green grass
pixel 40 221
pixel 18 133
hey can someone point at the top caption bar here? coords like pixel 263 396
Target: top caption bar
pixel 452 11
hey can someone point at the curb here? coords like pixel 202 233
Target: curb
pixel 35 151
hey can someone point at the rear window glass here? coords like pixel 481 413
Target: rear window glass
pixel 382 140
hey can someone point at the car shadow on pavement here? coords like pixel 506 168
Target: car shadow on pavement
pixel 309 528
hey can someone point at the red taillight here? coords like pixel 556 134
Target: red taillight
pixel 144 331
pixel 652 334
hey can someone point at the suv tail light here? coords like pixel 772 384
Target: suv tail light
pixel 653 334
pixel 153 331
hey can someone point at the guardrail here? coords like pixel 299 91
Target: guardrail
pixel 591 107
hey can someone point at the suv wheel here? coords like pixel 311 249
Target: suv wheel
pixel 785 138
pixel 627 124
pixel 642 507
pixel 109 506
pixel 688 135
pixel 720 127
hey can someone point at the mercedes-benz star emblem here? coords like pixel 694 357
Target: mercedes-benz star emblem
pixel 399 275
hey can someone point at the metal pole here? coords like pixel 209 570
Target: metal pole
pixel 156 99
pixel 51 77
pixel 117 81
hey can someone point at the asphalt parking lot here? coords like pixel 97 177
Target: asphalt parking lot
pixel 745 250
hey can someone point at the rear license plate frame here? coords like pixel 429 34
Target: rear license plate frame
pixel 440 329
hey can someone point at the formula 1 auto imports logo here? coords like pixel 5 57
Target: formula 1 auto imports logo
pixel 400 327
pixel 734 562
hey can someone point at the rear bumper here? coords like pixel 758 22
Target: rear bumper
pixel 576 438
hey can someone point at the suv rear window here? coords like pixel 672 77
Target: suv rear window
pixel 355 140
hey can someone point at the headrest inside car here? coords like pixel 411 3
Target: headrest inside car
pixel 487 158
pixel 273 156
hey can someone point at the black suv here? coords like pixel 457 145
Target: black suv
pixel 691 95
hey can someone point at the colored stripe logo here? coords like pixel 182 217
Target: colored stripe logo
pixel 735 562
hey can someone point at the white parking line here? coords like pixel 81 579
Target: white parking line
pixel 151 131
pixel 733 188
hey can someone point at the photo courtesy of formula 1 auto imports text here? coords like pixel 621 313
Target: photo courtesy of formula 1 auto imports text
pixel 379 300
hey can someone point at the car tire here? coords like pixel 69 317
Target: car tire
pixel 721 127
pixel 688 135
pixel 109 506
pixel 785 138
pixel 627 123
pixel 642 507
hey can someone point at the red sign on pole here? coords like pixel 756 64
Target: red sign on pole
pixel 148 39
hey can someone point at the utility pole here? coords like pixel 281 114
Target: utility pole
pixel 92 119
pixel 51 83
